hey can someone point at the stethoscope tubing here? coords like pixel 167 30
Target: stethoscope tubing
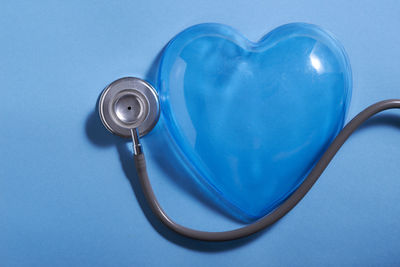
pixel 281 210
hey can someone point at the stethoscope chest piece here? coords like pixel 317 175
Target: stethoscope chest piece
pixel 129 103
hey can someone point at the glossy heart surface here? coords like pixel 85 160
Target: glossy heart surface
pixel 251 119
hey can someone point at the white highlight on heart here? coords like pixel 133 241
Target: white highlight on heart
pixel 316 63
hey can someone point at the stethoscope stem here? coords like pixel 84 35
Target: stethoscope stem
pixel 281 210
pixel 137 147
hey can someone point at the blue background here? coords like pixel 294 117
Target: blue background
pixel 66 195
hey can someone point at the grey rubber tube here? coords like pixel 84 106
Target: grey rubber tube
pixel 280 211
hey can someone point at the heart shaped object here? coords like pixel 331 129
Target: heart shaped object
pixel 251 119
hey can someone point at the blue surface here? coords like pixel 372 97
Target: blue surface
pixel 251 119
pixel 65 183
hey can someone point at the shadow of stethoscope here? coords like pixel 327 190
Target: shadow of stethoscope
pixel 99 136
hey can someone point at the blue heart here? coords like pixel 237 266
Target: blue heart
pixel 251 119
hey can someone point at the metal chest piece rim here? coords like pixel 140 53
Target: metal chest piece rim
pixel 129 103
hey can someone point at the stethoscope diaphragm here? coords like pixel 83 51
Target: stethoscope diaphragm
pixel 129 103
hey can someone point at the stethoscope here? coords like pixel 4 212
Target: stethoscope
pixel 130 108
